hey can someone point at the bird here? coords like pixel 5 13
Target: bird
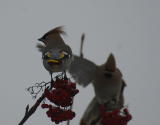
pixel 107 81
pixel 56 55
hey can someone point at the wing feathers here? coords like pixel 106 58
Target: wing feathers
pixel 82 70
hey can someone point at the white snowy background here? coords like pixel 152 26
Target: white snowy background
pixel 130 29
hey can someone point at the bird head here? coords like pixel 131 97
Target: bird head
pixel 108 83
pixel 108 72
pixel 56 55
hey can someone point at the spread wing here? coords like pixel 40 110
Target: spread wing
pixel 82 70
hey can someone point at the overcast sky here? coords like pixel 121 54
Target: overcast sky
pixel 130 29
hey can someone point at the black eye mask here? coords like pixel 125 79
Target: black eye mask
pixel 108 74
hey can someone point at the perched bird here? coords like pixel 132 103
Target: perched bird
pixel 56 55
pixel 107 82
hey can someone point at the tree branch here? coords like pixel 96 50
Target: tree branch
pixel 30 111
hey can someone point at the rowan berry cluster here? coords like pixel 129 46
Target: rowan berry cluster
pixel 116 117
pixel 61 95
pixel 57 114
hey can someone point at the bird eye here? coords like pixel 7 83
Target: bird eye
pixel 47 55
pixel 63 54
pixel 108 75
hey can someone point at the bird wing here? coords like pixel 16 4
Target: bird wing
pixel 82 70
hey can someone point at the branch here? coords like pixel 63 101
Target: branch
pixel 37 88
pixel 30 111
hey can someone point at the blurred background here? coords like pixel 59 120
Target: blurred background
pixel 130 29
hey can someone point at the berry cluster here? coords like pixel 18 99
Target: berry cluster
pixel 61 95
pixel 57 114
pixel 116 117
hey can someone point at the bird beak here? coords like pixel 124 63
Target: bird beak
pixel 53 61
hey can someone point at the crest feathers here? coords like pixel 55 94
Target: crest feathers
pixel 110 65
pixel 53 35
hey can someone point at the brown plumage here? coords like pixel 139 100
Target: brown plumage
pixel 53 35
pixel 110 64
pixel 108 84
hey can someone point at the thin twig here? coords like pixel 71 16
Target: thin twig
pixel 37 88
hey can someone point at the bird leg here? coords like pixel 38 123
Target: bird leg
pixel 51 77
pixel 65 75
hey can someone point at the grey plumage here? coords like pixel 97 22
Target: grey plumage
pixel 82 70
pixel 56 55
